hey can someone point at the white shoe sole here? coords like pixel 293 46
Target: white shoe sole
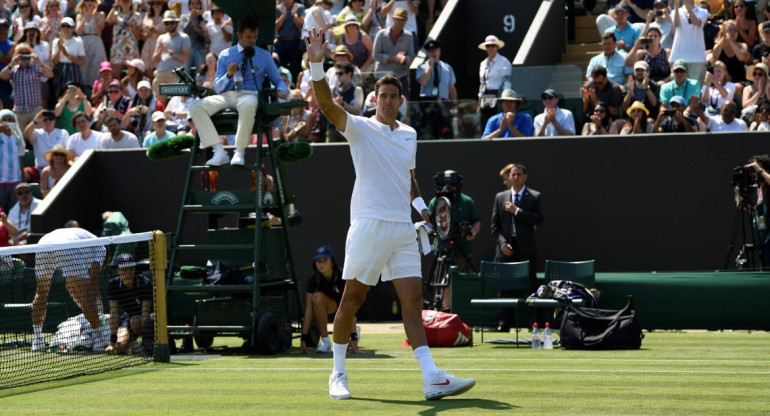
pixel 339 396
pixel 459 390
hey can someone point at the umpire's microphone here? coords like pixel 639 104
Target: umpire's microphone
pixel 248 53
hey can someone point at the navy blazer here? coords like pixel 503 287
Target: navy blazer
pixel 530 215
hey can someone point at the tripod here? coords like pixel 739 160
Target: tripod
pixel 435 288
pixel 748 256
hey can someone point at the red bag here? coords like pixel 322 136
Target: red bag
pixel 446 329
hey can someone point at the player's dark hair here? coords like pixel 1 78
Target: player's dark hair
pixel 387 79
pixel 248 22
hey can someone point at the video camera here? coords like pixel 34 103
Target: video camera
pixel 446 179
pixel 744 180
pixel 449 183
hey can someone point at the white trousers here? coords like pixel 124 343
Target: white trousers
pixel 245 103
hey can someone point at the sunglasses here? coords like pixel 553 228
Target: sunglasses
pixel 679 71
pixel 169 23
pixel 48 119
pixel 65 27
pixel 113 91
pixel 60 154
pixel 491 46
pixel 20 193
pixel 339 74
pixel 24 6
pixel 547 98
pixel 739 6
pixel 636 111
pixel 599 111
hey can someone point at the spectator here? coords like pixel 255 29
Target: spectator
pixel 729 50
pixel 510 122
pixel 289 18
pixel 45 137
pixel 11 152
pixel 625 33
pixel 600 121
pixel 190 129
pixel 637 123
pixel 362 14
pixel 84 138
pixel 42 49
pixel 600 88
pixel 26 15
pixel 159 132
pixel 21 214
pixel 347 95
pixel 135 69
pixel 495 76
pixel 410 9
pixel 24 72
pixel 6 228
pixel 717 88
pixel 5 58
pixel 126 32
pixel 59 161
pixel 554 121
pixel 674 120
pixel 724 122
pixel 299 123
pixel 611 58
pixel 194 26
pixel 761 27
pixel 172 51
pixel 99 90
pixel 762 49
pixel 641 88
pixel 710 29
pixel 341 56
pixel 437 92
pixel 207 73
pixel 760 122
pixel 49 24
pixel 681 85
pixel 72 101
pixel 176 112
pixel 318 16
pixel 138 119
pixel 115 137
pixel 653 54
pixel 116 104
pixel 89 25
pixel 394 48
pixel 152 27
pixel 757 74
pixel 689 45
pixel 663 22
pixel 323 294
pixel 745 23
pixel 68 56
pixel 220 31
pixel 358 43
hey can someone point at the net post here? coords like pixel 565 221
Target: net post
pixel 158 267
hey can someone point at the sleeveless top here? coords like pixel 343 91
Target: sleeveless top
pixel 360 54
pixel 735 67
pixel 659 67
pixel 89 26
pixel 348 95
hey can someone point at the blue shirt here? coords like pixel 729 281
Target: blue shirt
pixel 153 138
pixel 629 34
pixel 689 88
pixel 261 63
pixel 11 151
pixel 522 122
pixel 446 78
pixel 615 64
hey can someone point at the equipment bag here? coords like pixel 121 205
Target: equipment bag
pixel 600 329
pixel 445 329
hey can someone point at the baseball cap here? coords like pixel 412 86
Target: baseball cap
pixel 621 7
pixel 5 22
pixel 144 83
pixel 432 44
pixel 766 26
pixel 641 64
pixel 67 21
pixel 549 93
pixel 114 83
pixel 679 64
pixel 158 115
pixel 125 260
pixel 678 99
pixel 105 66
pixel 323 252
pixel 21 185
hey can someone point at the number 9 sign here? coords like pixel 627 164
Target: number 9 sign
pixel 509 23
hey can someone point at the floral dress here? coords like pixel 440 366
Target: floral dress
pixel 124 43
pixel 158 28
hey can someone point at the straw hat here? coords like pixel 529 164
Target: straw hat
pixel 343 50
pixel 170 16
pixel 491 40
pixel 400 13
pixel 750 70
pixel 60 150
pixel 637 105
pixel 510 95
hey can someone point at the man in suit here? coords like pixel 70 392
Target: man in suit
pixel 515 215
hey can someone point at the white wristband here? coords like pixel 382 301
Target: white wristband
pixel 317 71
pixel 419 204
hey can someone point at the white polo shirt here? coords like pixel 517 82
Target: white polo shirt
pixel 45 141
pixel 382 159
pixel 717 125
pixel 77 145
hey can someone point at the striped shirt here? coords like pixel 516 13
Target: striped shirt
pixel 26 88
pixel 11 151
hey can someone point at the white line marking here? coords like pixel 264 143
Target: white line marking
pixel 510 370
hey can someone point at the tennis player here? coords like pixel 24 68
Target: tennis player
pixel 381 239
pixel 80 267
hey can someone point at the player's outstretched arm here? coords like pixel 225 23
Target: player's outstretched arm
pixel 316 51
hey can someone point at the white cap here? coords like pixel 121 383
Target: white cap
pixel 144 83
pixel 158 115
pixel 67 21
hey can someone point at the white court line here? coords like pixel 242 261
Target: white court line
pixel 593 360
pixel 510 370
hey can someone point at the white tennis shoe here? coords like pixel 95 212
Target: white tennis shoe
pixel 338 386
pixel 238 158
pixel 443 384
pixel 324 346
pixel 38 345
pixel 220 158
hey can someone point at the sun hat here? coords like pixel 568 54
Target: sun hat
pixel 637 105
pixel 491 40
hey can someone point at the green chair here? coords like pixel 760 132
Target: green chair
pixel 495 277
pixel 582 272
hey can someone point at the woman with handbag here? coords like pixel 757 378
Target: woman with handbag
pixel 495 76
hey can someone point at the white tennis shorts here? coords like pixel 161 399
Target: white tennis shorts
pixel 375 247
pixel 73 262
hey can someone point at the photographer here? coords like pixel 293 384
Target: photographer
pixel 760 164
pixel 465 222
pixel 674 120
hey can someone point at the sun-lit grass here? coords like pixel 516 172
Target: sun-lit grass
pixel 698 373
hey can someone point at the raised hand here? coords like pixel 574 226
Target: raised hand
pixel 315 44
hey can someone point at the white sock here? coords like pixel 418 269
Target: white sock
pixel 240 151
pixel 425 360
pixel 339 351
pixel 38 331
pixel 218 148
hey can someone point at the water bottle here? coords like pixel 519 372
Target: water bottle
pixel 238 81
pixel 535 337
pixel 548 337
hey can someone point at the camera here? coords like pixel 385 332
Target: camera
pixel 25 58
pixel 645 41
pixel 669 112
pixel 744 180
pixel 658 12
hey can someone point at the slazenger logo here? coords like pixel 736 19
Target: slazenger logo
pixel 224 196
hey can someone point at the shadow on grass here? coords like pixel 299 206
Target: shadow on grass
pixel 432 408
